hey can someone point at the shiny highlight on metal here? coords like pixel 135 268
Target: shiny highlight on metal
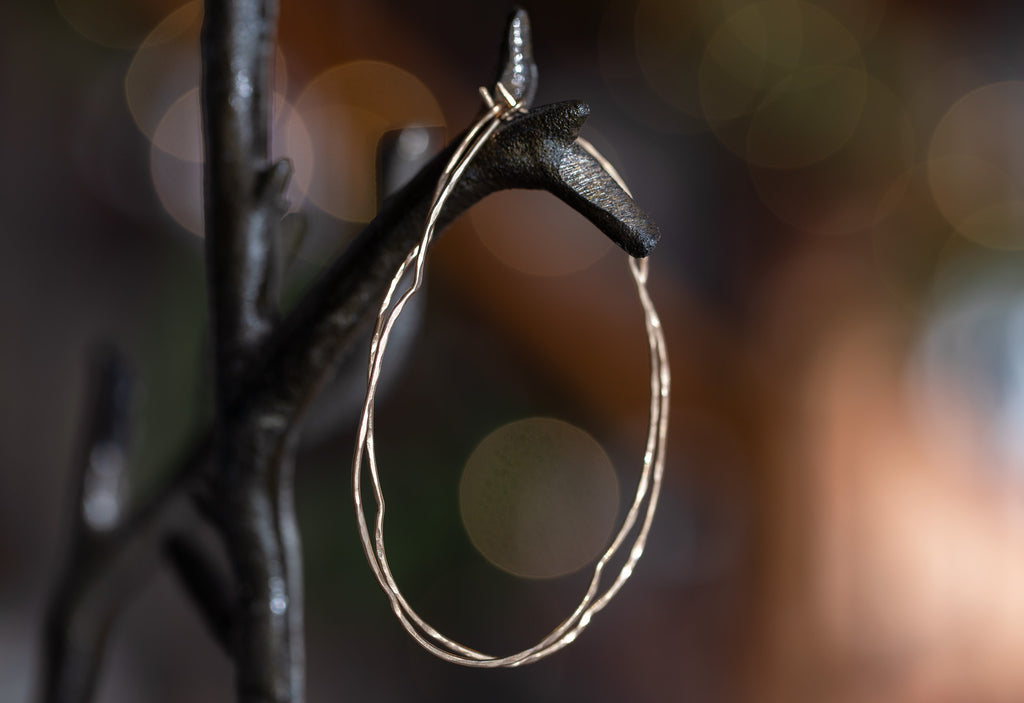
pixel 502 105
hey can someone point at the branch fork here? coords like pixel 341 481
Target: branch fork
pixel 268 368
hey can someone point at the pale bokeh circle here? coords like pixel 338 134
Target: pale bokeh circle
pixel 852 188
pixel 179 187
pixel 667 45
pixel 347 109
pixel 539 498
pixel 179 131
pixel 536 233
pixel 166 68
pixel 975 165
pixel 648 93
pixel 120 24
pixel 782 83
pixel 749 53
pixel 862 17
pixel 176 157
pixel 807 117
pixel 747 42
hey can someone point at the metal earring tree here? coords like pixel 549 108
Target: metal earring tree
pixel 238 477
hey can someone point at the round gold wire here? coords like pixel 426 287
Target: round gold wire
pixel 502 106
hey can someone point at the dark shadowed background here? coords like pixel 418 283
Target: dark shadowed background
pixel 840 187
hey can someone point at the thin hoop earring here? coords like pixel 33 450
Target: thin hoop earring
pixel 502 106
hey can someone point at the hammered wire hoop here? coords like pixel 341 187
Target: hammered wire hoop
pixel 502 106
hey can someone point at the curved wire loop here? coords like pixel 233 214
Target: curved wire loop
pixel 501 106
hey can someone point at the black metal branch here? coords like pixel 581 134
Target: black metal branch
pixel 252 485
pixel 534 150
pixel 242 189
pixel 204 582
pixel 269 371
pixel 517 70
pixel 77 622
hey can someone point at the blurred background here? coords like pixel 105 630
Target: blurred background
pixel 840 187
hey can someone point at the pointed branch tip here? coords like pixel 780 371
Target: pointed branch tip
pixel 517 70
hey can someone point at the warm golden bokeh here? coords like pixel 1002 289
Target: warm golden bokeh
pixel 782 83
pixel 176 158
pixel 347 109
pixel 540 222
pixel 165 67
pixel 974 165
pixel 123 24
pixel 840 190
pixel 539 497
pixel 849 190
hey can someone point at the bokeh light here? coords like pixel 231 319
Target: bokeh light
pixel 630 83
pixel 536 233
pixel 120 24
pixel 539 498
pixel 178 133
pixel 848 191
pixel 807 117
pixel 782 83
pixel 176 158
pixel 179 187
pixel 861 17
pixel 667 46
pixel 843 510
pixel 975 162
pixel 289 137
pixel 716 62
pixel 166 68
pixel 346 109
pixel 750 53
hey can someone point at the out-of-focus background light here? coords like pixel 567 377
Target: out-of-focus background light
pixel 540 223
pixel 840 186
pixel 538 497
pixel 347 109
pixel 974 165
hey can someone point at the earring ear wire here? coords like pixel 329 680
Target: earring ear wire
pixel 501 105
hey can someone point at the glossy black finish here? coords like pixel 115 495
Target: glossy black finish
pixel 517 70
pixel 267 370
pixel 251 487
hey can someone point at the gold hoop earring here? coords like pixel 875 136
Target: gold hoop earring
pixel 502 106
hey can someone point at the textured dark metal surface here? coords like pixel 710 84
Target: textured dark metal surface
pixel 251 488
pixel 269 370
pixel 532 150
pixel 517 70
pixel 241 188
pixel 539 150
